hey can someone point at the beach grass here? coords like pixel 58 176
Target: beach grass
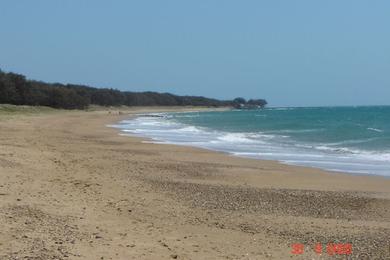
pixel 9 111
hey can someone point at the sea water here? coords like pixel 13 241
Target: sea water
pixel 346 139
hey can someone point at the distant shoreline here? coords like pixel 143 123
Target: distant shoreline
pixel 16 89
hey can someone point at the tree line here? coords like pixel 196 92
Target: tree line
pixel 17 90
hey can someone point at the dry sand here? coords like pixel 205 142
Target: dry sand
pixel 72 188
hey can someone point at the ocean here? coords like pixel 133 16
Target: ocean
pixel 346 139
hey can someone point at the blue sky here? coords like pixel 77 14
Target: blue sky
pixel 293 53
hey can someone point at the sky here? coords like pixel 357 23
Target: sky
pixel 292 53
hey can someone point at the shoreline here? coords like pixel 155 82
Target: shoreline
pixel 274 163
pixel 73 188
pixel 152 139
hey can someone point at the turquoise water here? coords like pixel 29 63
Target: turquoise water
pixel 348 139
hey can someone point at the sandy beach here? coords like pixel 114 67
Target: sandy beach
pixel 73 188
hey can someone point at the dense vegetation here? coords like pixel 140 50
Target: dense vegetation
pixel 17 90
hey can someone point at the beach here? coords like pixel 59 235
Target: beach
pixel 73 188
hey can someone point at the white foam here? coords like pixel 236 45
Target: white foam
pixel 189 129
pixel 357 141
pixel 291 131
pixel 235 138
pixel 375 130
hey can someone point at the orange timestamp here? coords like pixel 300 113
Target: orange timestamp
pixel 330 249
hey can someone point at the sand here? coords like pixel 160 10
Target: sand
pixel 72 188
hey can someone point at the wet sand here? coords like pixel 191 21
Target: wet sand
pixel 72 188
